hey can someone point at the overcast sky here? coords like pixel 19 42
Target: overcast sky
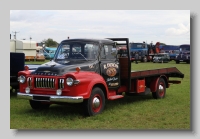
pixel 168 26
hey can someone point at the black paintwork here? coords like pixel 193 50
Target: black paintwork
pixel 56 69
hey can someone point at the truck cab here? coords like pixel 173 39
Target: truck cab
pixel 89 71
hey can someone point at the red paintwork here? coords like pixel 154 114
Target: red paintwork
pixel 89 79
pixel 84 88
pixel 122 89
pixel 140 86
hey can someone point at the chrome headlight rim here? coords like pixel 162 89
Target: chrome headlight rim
pixel 69 81
pixel 21 79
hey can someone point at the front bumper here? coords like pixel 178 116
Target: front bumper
pixel 50 98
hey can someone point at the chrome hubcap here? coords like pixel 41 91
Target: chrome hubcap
pixel 161 89
pixel 96 102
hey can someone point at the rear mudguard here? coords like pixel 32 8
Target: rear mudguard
pixel 154 82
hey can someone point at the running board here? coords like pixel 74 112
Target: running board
pixel 115 97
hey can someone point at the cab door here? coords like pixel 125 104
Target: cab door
pixel 109 66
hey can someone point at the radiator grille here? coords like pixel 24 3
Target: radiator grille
pixel 29 81
pixel 61 83
pixel 48 83
pixel 44 82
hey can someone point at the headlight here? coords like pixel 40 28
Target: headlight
pixel 21 79
pixel 69 81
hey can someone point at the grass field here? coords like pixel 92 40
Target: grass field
pixel 141 112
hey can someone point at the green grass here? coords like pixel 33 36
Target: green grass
pixel 136 112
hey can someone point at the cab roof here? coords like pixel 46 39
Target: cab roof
pixel 106 41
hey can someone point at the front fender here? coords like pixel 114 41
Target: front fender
pixel 24 73
pixel 87 81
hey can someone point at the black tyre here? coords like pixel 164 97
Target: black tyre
pixel 96 103
pixel 161 89
pixel 36 105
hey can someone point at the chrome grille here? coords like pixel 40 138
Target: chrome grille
pixel 44 82
pixel 29 79
pixel 61 83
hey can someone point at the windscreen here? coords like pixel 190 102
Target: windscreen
pixel 76 52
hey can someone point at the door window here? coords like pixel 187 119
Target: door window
pixel 106 52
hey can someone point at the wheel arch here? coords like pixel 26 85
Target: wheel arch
pixel 166 80
pixel 101 86
pixel 153 85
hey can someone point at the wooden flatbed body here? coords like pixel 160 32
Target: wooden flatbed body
pixel 170 72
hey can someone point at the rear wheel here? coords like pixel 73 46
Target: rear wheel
pixel 36 105
pixel 161 89
pixel 95 104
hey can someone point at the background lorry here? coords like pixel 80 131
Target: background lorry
pixel 184 55
pixel 90 72
pixel 172 50
pixel 141 49
pixel 145 51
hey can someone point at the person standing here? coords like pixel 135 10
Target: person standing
pixel 136 57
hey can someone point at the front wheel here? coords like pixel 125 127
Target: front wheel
pixel 96 103
pixel 161 89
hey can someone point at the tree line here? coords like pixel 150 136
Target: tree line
pixel 50 42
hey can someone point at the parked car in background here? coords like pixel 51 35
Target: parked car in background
pixel 49 52
pixel 173 55
pixel 183 56
pixel 161 58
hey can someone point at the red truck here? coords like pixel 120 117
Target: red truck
pixel 89 71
